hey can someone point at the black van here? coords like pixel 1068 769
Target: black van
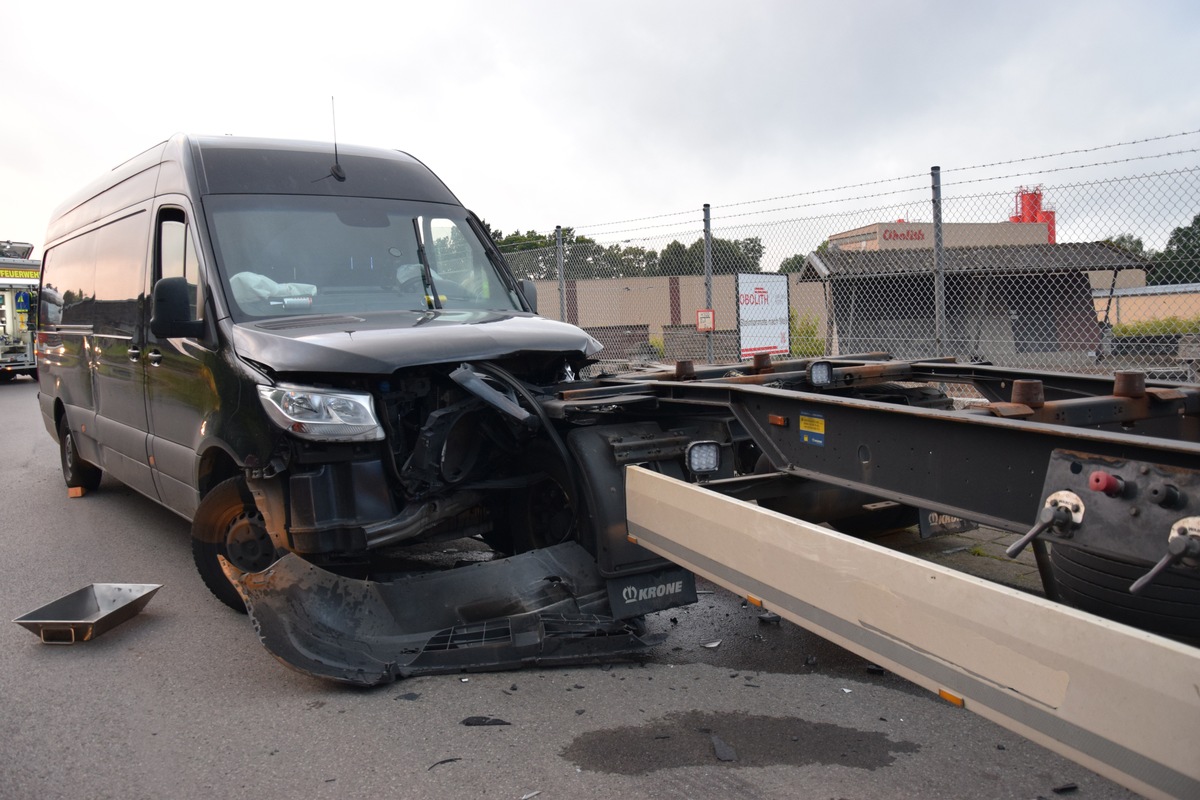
pixel 313 351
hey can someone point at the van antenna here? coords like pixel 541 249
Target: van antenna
pixel 336 170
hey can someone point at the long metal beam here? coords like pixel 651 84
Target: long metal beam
pixel 1122 702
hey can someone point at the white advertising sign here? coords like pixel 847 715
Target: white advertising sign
pixel 763 314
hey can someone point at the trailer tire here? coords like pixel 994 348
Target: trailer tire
pixel 1100 585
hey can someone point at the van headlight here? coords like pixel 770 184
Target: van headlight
pixel 322 415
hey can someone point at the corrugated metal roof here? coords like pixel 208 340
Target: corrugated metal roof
pixel 996 259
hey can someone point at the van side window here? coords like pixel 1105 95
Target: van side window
pixel 177 253
pixel 120 273
pixel 70 271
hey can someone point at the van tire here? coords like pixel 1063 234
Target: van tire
pixel 227 520
pixel 542 514
pixel 77 473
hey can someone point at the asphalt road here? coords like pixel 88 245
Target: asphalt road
pixel 182 701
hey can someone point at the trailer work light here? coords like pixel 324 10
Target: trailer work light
pixel 820 373
pixel 703 458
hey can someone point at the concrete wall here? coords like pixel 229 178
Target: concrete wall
pixel 659 302
pixel 1150 304
pixel 662 305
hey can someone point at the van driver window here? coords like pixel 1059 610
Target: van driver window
pixel 176 252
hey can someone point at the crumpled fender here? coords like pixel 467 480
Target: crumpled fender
pixel 547 606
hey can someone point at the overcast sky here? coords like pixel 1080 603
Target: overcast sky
pixel 543 113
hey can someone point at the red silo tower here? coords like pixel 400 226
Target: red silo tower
pixel 1029 209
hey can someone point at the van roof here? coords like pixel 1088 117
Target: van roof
pixel 230 165
pixel 203 165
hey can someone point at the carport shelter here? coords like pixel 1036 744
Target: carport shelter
pixel 999 300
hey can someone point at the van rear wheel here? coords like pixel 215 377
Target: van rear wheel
pixel 228 524
pixel 77 473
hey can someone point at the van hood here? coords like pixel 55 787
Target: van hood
pixel 380 343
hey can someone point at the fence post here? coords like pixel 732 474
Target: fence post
pixel 708 274
pixel 562 281
pixel 939 264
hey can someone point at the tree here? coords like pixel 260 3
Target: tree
pixel 535 255
pixel 1179 262
pixel 796 263
pixel 793 264
pixel 673 260
pixel 530 240
pixel 1127 241
pixel 630 262
pixel 529 254
pixel 495 236
pixel 729 256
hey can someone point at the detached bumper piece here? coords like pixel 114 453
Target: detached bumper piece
pixel 545 607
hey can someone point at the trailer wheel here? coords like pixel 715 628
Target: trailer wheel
pixel 77 473
pixel 1098 584
pixel 227 523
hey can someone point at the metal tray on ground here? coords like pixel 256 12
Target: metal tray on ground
pixel 88 612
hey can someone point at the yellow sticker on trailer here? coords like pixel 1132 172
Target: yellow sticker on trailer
pixel 812 429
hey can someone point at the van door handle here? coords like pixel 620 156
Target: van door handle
pixel 134 352
pixel 155 358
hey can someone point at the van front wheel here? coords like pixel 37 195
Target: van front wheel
pixel 228 524
pixel 77 473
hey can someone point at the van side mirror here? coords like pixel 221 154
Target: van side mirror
pixel 529 289
pixel 171 311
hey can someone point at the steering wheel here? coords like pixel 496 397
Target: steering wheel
pixel 446 288
pixel 411 285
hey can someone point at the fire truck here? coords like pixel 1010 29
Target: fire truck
pixel 18 305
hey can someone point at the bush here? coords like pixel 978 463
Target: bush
pixel 805 333
pixel 1157 327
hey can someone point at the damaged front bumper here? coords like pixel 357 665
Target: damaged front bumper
pixel 545 607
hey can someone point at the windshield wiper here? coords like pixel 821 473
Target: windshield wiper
pixel 426 272
pixel 496 259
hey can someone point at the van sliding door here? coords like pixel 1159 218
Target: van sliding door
pixel 118 380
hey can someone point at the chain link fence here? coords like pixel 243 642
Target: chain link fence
pixel 1082 268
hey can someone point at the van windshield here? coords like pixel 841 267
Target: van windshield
pixel 289 255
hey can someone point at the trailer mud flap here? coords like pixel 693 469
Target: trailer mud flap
pixel 544 607
pixel 634 595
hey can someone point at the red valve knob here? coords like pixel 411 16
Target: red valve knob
pixel 1111 485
